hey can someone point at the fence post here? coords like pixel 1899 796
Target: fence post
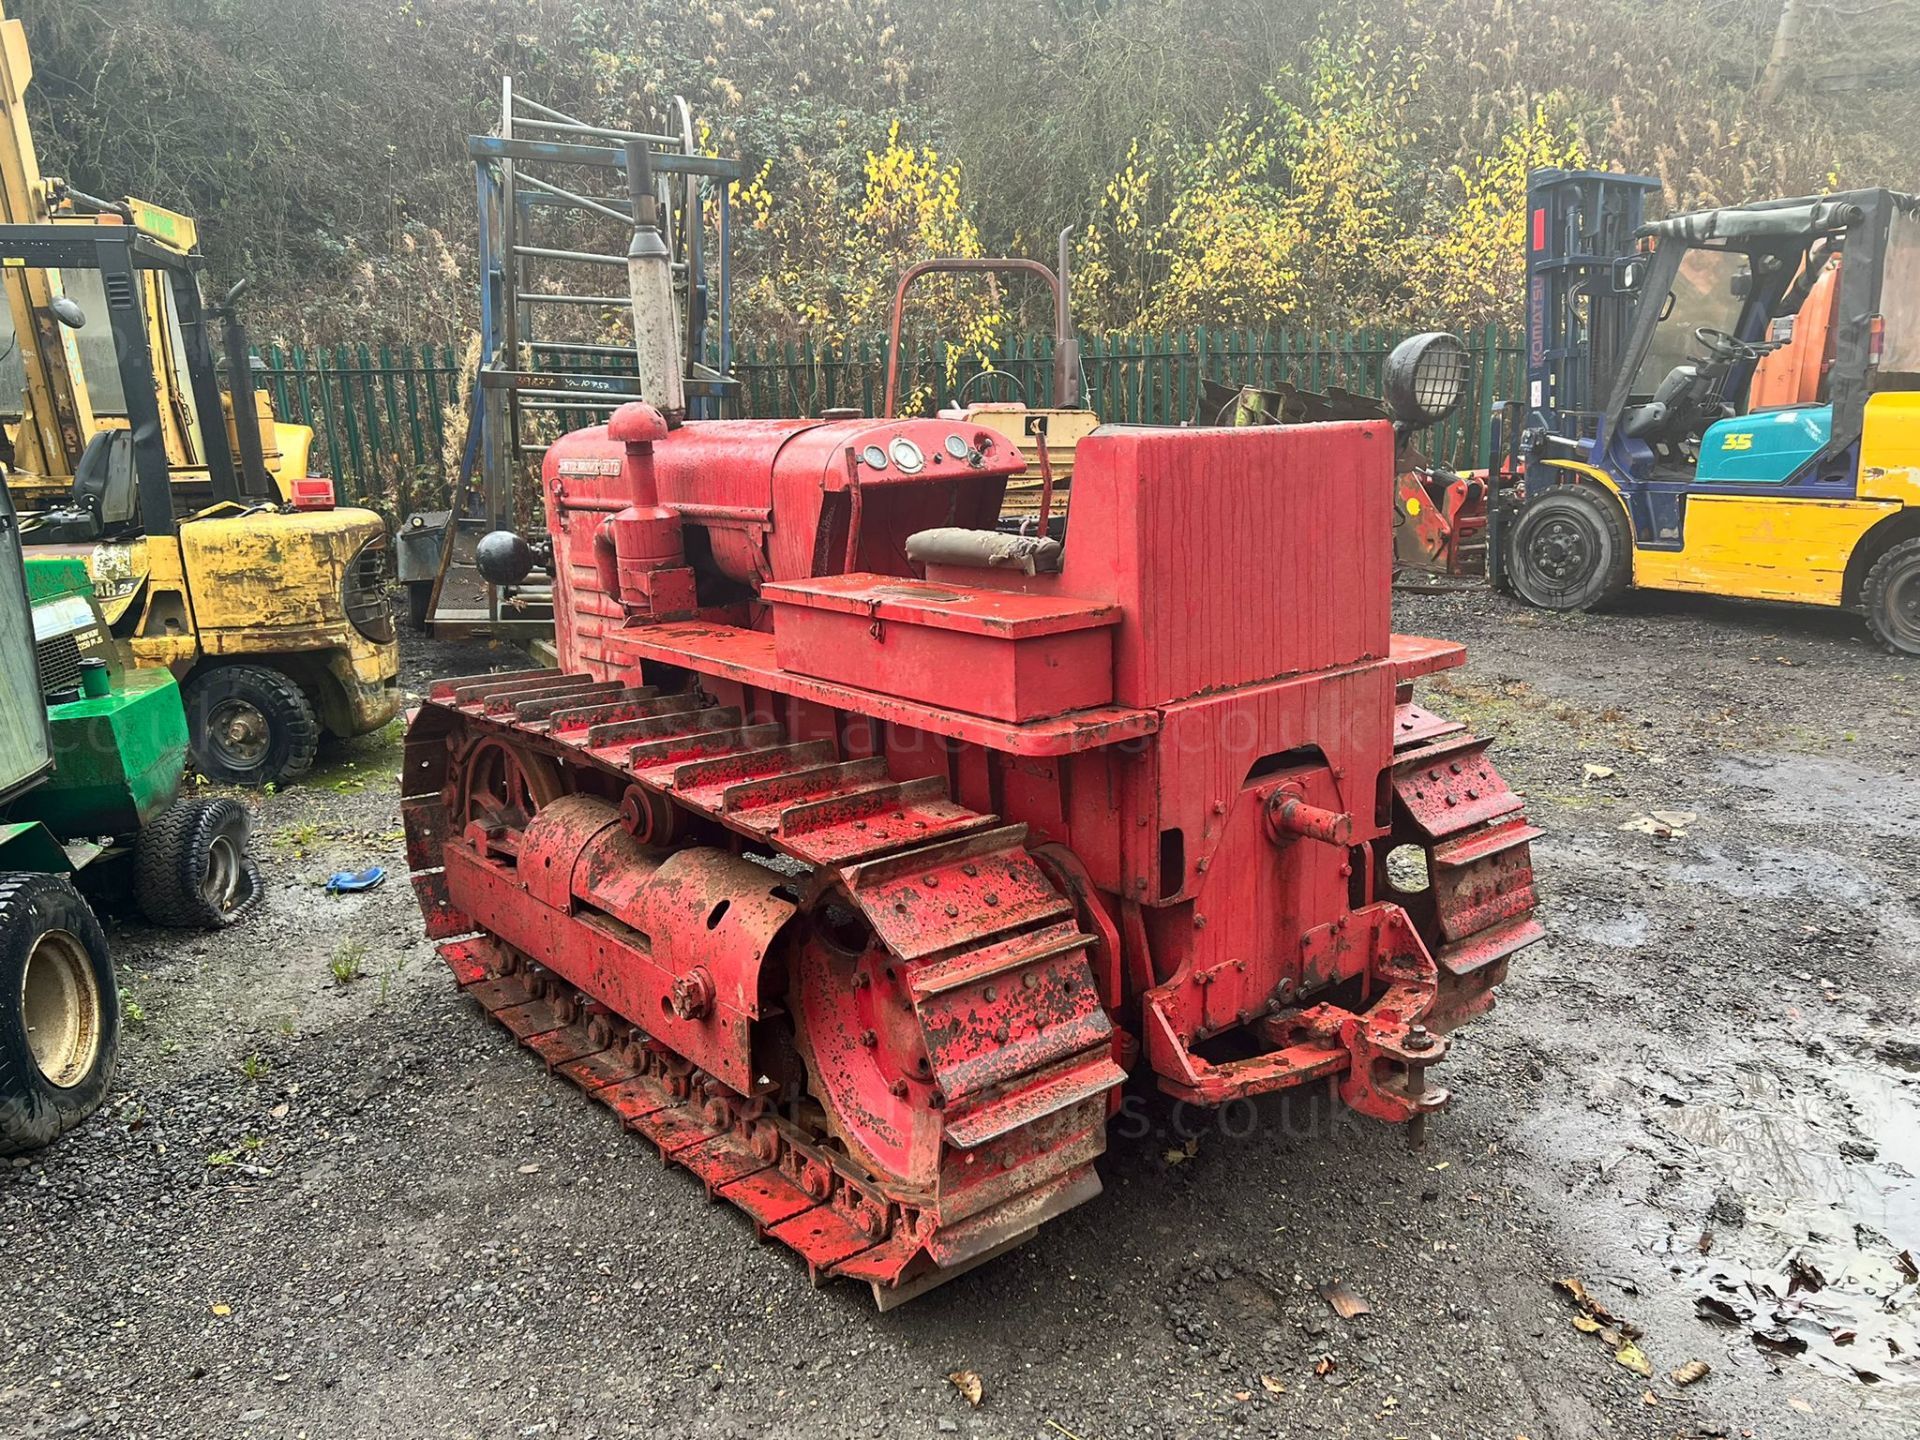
pixel 391 393
pixel 277 368
pixel 355 476
pixel 1489 400
pixel 436 424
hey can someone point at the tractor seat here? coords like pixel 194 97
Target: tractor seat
pixel 986 550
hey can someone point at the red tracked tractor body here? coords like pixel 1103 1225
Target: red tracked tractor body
pixel 855 854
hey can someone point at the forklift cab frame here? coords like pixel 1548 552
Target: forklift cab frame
pixel 1777 240
pixel 120 255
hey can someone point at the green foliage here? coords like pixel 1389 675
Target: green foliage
pixel 1218 161
pixel 348 962
pixel 826 267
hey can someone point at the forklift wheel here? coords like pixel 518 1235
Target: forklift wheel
pixel 250 726
pixel 59 1010
pixel 1569 550
pixel 1892 598
pixel 419 599
pixel 191 866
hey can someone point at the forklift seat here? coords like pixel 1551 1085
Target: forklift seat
pixel 103 485
pixel 1685 402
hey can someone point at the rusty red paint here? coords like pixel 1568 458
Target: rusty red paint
pixel 862 929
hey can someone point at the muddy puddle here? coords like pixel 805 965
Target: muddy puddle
pixel 1763 873
pixel 1810 1242
pixel 1802 790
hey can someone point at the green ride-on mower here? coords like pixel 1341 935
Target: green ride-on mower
pixel 91 757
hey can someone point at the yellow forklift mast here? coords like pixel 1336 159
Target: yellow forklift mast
pixel 212 551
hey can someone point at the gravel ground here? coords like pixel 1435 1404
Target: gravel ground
pixel 319 1206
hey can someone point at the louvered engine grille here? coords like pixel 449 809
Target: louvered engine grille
pixel 59 663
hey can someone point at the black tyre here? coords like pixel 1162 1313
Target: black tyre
pixel 59 1011
pixel 249 725
pixel 1891 597
pixel 1569 549
pixel 192 869
pixel 419 603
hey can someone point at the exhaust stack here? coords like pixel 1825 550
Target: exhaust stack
pixel 656 328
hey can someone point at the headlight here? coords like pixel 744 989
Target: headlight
pixel 364 592
pixel 1426 378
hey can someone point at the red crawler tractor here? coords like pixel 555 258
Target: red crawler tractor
pixel 856 853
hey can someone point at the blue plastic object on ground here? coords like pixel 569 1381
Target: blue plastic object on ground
pixel 348 882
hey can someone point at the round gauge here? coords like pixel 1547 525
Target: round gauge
pixel 874 456
pixel 956 447
pixel 906 455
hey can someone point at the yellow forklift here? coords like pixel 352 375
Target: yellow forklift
pixel 210 549
pixel 1725 402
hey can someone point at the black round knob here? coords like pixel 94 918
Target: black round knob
pixel 503 557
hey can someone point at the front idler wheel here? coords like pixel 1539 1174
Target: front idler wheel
pixel 501 785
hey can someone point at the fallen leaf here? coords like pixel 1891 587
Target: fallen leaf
pixel 1803 1274
pixel 1692 1371
pixel 1180 1154
pixel 1324 1365
pixel 279 1112
pixel 222 1310
pixel 1585 1324
pixel 1345 1303
pixel 1799 1404
pixel 1647 1397
pixel 1596 772
pixel 1272 1385
pixel 1712 1307
pixel 969 1386
pixel 531 1167
pixel 1243 1396
pixel 1574 1287
pixel 1631 1356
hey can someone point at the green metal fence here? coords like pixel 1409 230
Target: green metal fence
pixel 1128 379
pixel 383 416
pixel 387 420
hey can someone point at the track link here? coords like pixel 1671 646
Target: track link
pixel 1456 807
pixel 1018 1050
